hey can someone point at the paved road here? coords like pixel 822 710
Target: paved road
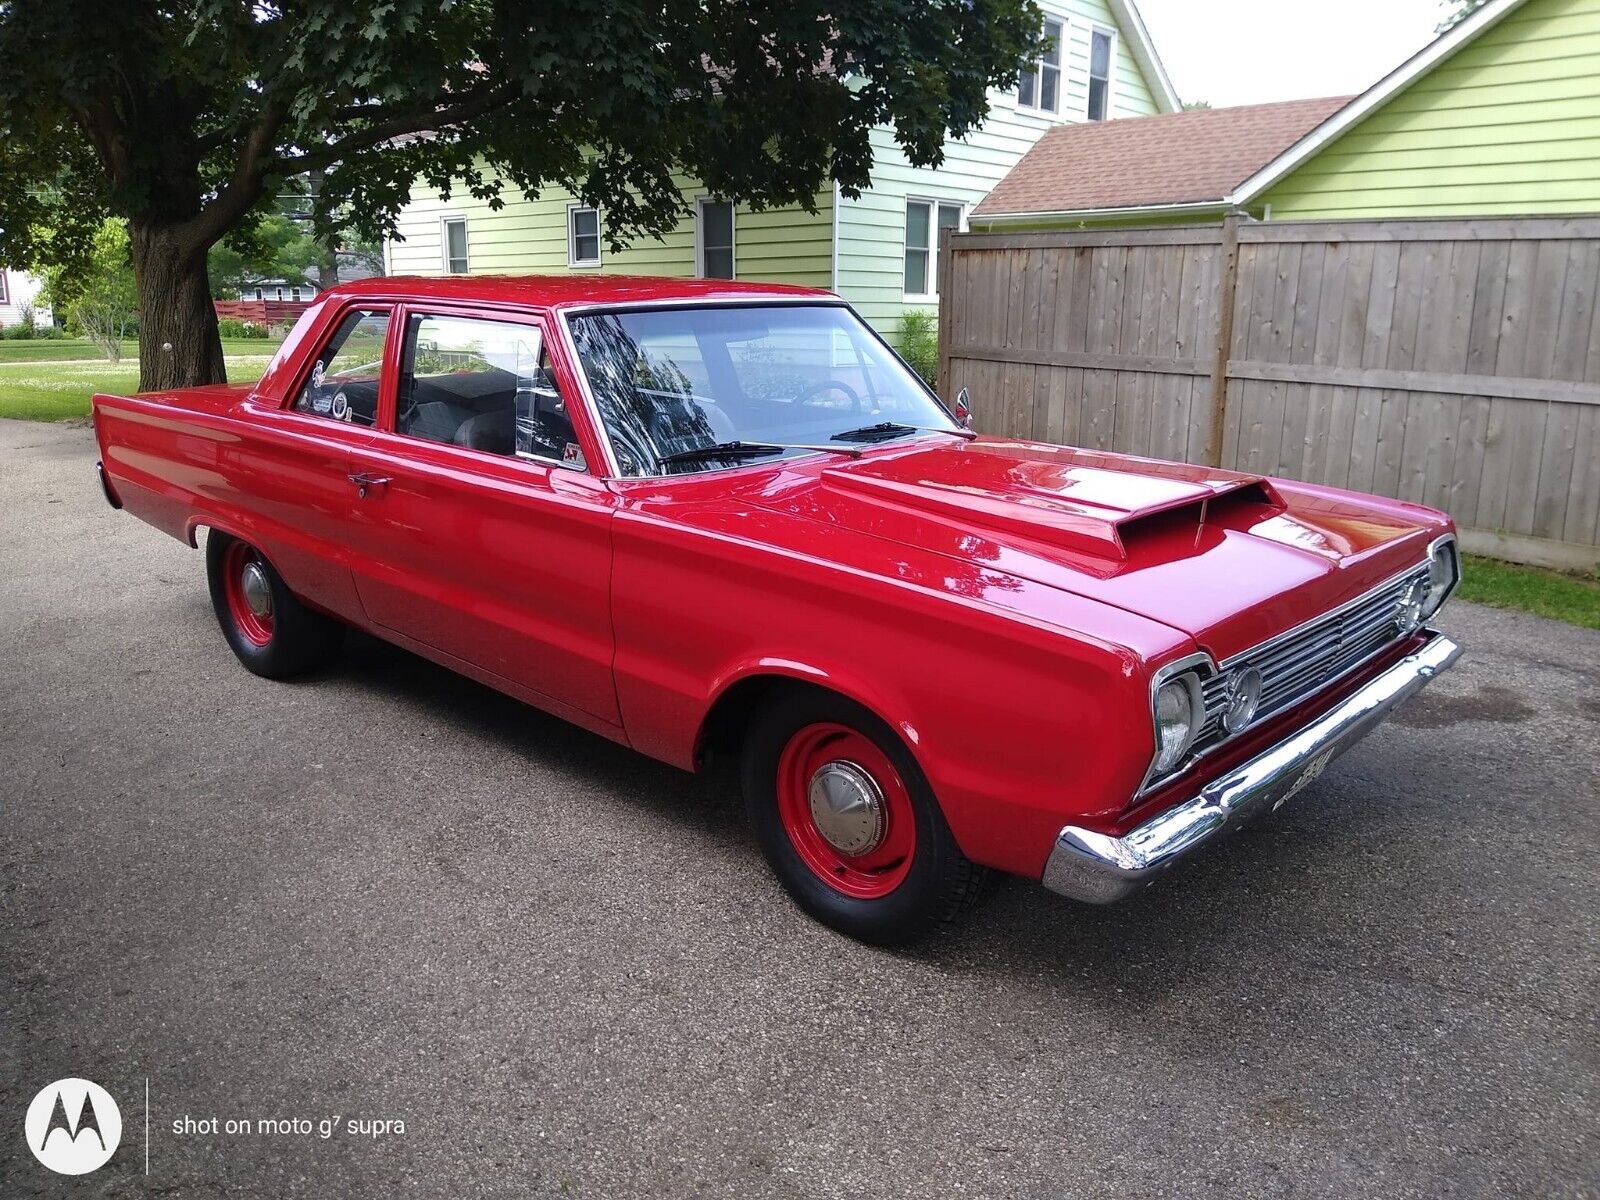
pixel 392 894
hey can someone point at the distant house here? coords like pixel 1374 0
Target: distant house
pixel 18 288
pixel 279 289
pixel 879 251
pixel 1501 114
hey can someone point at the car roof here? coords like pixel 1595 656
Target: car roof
pixel 564 291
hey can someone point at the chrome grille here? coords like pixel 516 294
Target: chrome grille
pixel 1306 659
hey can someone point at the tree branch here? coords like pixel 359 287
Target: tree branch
pixel 416 121
pixel 244 189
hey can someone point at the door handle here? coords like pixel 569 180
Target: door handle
pixel 364 480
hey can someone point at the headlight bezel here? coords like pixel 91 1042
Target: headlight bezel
pixel 1185 673
pixel 1445 553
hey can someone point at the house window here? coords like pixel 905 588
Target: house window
pixel 925 219
pixel 1039 82
pixel 713 239
pixel 260 295
pixel 583 236
pixel 5 296
pixel 455 245
pixel 294 293
pixel 279 295
pixel 1102 44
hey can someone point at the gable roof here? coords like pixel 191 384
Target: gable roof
pixel 1143 48
pixel 1191 159
pixel 1380 93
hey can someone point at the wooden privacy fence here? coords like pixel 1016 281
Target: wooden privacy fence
pixel 1451 362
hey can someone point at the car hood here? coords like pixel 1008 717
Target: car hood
pixel 1228 558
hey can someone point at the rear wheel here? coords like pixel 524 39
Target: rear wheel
pixel 848 822
pixel 273 634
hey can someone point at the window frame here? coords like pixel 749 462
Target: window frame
pixel 386 375
pixel 931 296
pixel 550 332
pixel 700 203
pixel 1036 66
pixel 5 288
pixel 444 243
pixel 573 260
pixel 1111 71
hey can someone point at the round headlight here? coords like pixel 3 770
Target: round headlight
pixel 1443 573
pixel 1177 712
pixel 1408 609
pixel 1243 698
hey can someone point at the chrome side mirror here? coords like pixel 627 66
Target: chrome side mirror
pixel 964 408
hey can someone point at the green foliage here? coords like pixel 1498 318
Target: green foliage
pixel 919 343
pixel 192 117
pixel 277 249
pixel 97 290
pixel 232 327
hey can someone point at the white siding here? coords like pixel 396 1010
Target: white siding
pixel 19 289
pixel 872 228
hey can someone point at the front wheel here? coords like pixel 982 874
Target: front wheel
pixel 273 634
pixel 849 824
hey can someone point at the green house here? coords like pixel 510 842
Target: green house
pixel 1500 114
pixel 878 251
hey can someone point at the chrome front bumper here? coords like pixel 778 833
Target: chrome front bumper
pixel 1098 868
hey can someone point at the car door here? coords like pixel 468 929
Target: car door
pixel 484 536
pixel 298 456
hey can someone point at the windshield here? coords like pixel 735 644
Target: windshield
pixel 673 380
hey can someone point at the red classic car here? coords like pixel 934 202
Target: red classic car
pixel 698 516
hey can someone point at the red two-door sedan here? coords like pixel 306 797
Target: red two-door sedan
pixel 699 516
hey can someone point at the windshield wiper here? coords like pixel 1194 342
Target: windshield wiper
pixel 884 430
pixel 731 450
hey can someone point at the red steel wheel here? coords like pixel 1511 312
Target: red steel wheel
pixel 846 810
pixel 248 590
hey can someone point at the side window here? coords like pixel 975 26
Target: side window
pixel 484 385
pixel 347 373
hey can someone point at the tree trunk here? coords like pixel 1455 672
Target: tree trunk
pixel 178 342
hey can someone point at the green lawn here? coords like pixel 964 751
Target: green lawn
pixel 1574 599
pixel 58 391
pixel 51 350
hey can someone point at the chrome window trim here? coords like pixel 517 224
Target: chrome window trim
pixel 613 468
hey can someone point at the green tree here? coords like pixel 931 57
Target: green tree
pixel 184 118
pixel 278 247
pixel 95 288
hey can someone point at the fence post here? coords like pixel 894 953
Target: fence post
pixel 1219 364
pixel 942 318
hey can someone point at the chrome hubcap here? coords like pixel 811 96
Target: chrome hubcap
pixel 847 807
pixel 257 592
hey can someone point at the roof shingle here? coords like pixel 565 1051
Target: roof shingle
pixel 1186 157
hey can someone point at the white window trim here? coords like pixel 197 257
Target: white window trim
pixel 699 234
pixel 1111 70
pixel 1062 48
pixel 444 240
pixel 932 295
pixel 572 237
pixel 5 289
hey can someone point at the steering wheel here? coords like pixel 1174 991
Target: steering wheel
pixel 807 398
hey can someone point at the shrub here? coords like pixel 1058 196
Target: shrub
pixel 919 343
pixel 232 327
pixel 25 327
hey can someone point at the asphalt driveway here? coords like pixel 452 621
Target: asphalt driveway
pixel 389 894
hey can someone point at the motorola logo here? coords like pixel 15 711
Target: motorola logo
pixel 73 1126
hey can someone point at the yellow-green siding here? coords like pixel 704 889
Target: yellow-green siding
pixel 786 245
pixel 1508 124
